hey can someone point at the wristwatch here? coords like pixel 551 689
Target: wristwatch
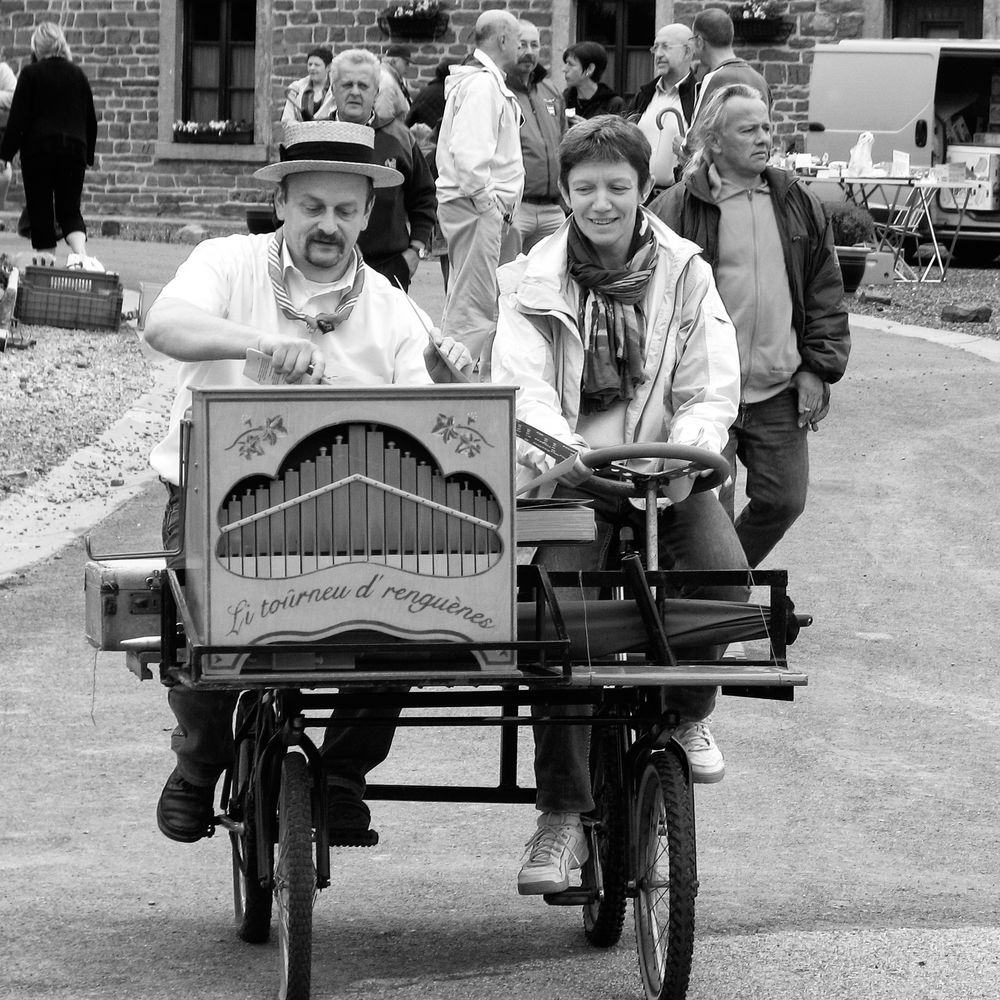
pixel 420 249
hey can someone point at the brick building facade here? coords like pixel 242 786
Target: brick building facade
pixel 140 59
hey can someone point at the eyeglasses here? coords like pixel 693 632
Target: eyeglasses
pixel 661 47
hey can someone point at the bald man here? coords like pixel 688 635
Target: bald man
pixel 480 178
pixel 673 87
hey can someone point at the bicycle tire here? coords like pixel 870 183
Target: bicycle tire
pixel 667 883
pixel 294 878
pixel 604 918
pixel 252 903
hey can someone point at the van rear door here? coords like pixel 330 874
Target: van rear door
pixel 886 88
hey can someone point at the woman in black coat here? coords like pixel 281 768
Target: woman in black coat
pixel 585 96
pixel 53 125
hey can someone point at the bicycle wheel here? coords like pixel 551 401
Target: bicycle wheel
pixel 666 878
pixel 294 878
pixel 251 902
pixel 604 870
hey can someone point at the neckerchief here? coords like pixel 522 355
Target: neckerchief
pixel 611 320
pixel 324 322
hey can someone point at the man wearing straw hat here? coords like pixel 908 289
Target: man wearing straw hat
pixel 304 297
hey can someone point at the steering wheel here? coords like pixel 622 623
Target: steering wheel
pixel 679 461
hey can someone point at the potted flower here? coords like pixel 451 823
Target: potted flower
pixel 225 131
pixel 414 19
pixel 758 21
pixel 853 237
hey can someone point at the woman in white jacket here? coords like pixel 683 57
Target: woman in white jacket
pixel 311 98
pixel 614 332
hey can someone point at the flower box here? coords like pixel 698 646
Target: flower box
pixel 762 29
pixel 414 19
pixel 216 138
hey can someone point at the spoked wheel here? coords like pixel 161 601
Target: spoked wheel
pixel 251 902
pixel 295 878
pixel 604 870
pixel 666 878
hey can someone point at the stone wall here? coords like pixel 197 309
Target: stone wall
pixel 786 65
pixel 128 50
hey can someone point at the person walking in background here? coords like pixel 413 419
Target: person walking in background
pixel 585 95
pixel 424 121
pixel 398 233
pixel 428 106
pixel 8 81
pixel 713 50
pixel 791 327
pixel 663 107
pixel 480 179
pixel 311 98
pixel 544 122
pixel 53 125
pixel 393 93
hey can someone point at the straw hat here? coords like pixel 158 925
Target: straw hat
pixel 329 147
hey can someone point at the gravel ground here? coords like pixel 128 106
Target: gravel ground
pixel 59 394
pixel 921 304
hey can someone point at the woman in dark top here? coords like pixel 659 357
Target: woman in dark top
pixel 428 106
pixel 53 125
pixel 585 95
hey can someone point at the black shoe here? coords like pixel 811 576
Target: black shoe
pixel 185 812
pixel 348 819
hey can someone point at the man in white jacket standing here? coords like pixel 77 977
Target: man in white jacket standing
pixel 480 178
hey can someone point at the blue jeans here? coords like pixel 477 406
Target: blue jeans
pixel 693 535
pixel 774 451
pixel 203 737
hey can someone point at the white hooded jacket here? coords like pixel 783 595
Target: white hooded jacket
pixel 692 370
pixel 479 149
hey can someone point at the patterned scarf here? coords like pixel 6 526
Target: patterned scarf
pixel 324 322
pixel 610 318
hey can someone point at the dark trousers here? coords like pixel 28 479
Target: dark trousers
pixel 394 268
pixel 203 737
pixel 53 186
pixel 774 450
pixel 693 535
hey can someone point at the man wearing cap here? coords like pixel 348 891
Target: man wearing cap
pixel 480 178
pixel 540 213
pixel 398 234
pixel 304 297
pixel 393 95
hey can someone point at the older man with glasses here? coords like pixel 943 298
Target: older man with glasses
pixel 674 84
pixel 672 89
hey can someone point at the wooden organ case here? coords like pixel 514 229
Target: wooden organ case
pixel 317 512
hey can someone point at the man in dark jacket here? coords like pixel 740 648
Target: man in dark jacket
pixel 672 91
pixel 791 328
pixel 398 234
pixel 540 212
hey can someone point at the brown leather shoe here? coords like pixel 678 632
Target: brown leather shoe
pixel 184 812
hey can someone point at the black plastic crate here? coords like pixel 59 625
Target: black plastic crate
pixel 76 300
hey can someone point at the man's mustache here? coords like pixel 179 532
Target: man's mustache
pixel 333 241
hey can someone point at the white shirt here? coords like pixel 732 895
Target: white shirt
pixel 380 343
pixel 663 97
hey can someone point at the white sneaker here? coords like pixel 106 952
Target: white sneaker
pixel 93 264
pixel 558 846
pixel 74 261
pixel 705 758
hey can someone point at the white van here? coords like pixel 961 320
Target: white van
pixel 936 99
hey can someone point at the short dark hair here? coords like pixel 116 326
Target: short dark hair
pixel 715 26
pixel 589 54
pixel 606 139
pixel 321 52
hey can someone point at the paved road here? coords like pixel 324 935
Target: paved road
pixel 850 853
